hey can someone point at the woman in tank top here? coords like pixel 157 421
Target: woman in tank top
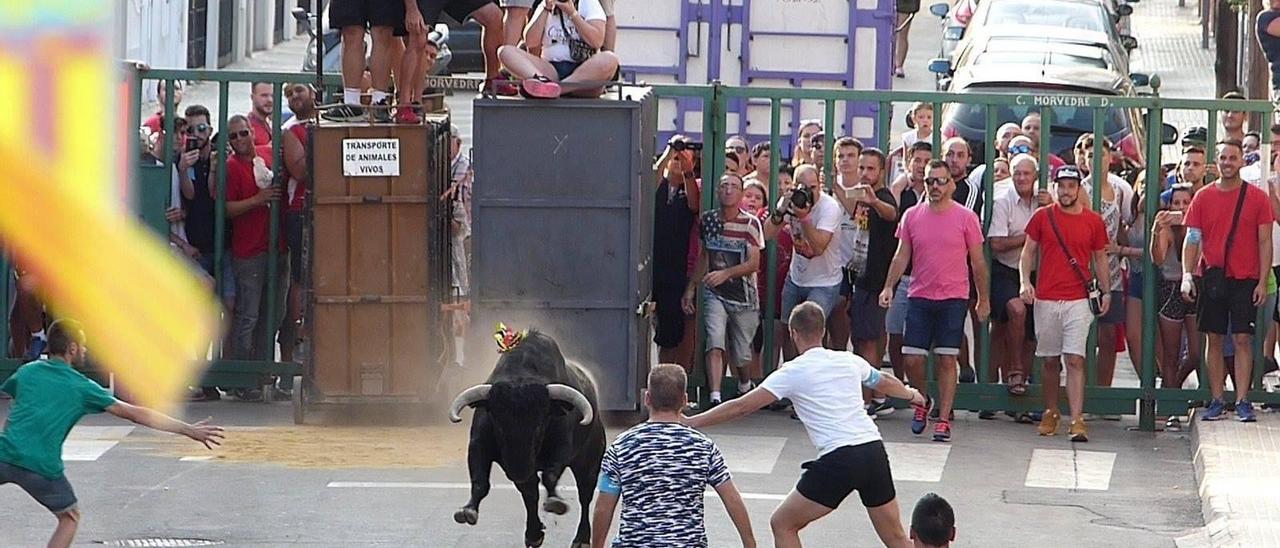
pixel 1177 316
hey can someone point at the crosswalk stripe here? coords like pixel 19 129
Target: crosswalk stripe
pixel 917 461
pixel 750 454
pixel 89 443
pixel 1067 469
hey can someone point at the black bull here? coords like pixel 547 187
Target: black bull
pixel 537 414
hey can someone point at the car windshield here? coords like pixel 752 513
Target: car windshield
pixel 1042 52
pixel 1073 15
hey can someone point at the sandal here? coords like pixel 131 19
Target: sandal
pixel 1016 388
pixel 539 87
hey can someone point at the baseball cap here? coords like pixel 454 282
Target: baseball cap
pixel 1067 172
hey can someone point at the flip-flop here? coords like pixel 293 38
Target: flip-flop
pixel 539 87
pixel 1016 388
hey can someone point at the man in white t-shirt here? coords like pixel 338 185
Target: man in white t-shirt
pixel 816 267
pixel 825 387
pixel 548 65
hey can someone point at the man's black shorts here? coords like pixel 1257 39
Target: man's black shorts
pixel 1006 285
pixel 669 331
pixel 366 13
pixel 459 10
pixel 56 495
pixel 1235 309
pixel 862 468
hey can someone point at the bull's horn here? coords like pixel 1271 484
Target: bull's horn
pixel 479 392
pixel 569 394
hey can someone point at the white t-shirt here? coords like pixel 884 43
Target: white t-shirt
pixel 825 388
pixel 855 237
pixel 555 46
pixel 1253 175
pixel 823 270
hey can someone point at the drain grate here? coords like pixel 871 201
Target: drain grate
pixel 161 542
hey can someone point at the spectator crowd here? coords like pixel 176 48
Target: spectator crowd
pixel 890 247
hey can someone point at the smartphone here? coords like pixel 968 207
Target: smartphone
pixel 192 144
pixel 1176 218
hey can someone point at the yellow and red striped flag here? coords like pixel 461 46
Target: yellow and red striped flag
pixel 147 315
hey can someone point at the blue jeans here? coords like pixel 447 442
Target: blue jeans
pixel 793 295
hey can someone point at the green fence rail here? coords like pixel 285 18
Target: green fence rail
pixel 1144 115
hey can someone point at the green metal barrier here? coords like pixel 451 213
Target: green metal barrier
pixel 986 394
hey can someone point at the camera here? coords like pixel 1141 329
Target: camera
pixel 683 145
pixel 802 197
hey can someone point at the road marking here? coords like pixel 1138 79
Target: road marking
pixel 750 454
pixel 1065 469
pixel 917 461
pixel 498 486
pixel 200 458
pixel 89 443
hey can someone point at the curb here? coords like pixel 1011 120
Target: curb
pixel 1235 482
pixel 1213 505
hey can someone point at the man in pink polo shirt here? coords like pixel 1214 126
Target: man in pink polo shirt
pixel 935 240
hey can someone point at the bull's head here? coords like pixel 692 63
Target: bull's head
pixel 520 415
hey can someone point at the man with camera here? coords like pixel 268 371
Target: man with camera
pixel 676 205
pixel 253 195
pixel 731 242
pixel 936 239
pixel 816 271
pixel 1064 243
pixel 1226 255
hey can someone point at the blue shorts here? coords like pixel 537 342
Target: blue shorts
pixel 228 275
pixel 1135 285
pixel 793 295
pixel 564 68
pixel 936 326
pixel 895 321
pixel 54 494
pixel 1115 312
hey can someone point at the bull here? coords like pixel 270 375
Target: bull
pixel 536 415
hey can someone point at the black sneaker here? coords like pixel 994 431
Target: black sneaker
pixel 880 408
pixel 986 415
pixel 380 112
pixel 344 113
pixel 968 375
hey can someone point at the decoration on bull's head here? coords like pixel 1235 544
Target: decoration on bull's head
pixel 508 338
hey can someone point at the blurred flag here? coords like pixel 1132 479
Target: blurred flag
pixel 148 317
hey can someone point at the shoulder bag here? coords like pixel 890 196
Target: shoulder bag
pixel 1093 290
pixel 1213 280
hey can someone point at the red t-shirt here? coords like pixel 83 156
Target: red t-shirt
pixel 1084 234
pixel 1211 212
pixel 297 189
pixel 261 130
pixel 249 231
pixel 153 123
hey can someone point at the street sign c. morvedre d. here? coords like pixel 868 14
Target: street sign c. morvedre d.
pixel 371 157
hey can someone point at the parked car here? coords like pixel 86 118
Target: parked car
pixel 1048 68
pixel 970 17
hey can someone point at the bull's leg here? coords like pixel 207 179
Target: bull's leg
pixel 533 530
pixel 479 465
pixel 585 475
pixel 556 453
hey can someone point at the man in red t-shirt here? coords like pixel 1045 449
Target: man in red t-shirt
pixel 293 142
pixel 1061 296
pixel 260 116
pixel 1234 304
pixel 250 197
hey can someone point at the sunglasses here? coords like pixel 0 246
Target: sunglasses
pixel 240 134
pixel 817 145
pixel 937 181
pixel 198 128
pixel 1020 149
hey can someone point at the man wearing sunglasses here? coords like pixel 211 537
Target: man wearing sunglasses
pixel 935 240
pixel 252 197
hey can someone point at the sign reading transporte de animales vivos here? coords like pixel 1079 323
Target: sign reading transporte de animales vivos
pixel 371 157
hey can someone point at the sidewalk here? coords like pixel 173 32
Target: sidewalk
pixel 1238 472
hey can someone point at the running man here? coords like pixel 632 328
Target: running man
pixel 49 397
pixel 825 387
pixel 660 470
